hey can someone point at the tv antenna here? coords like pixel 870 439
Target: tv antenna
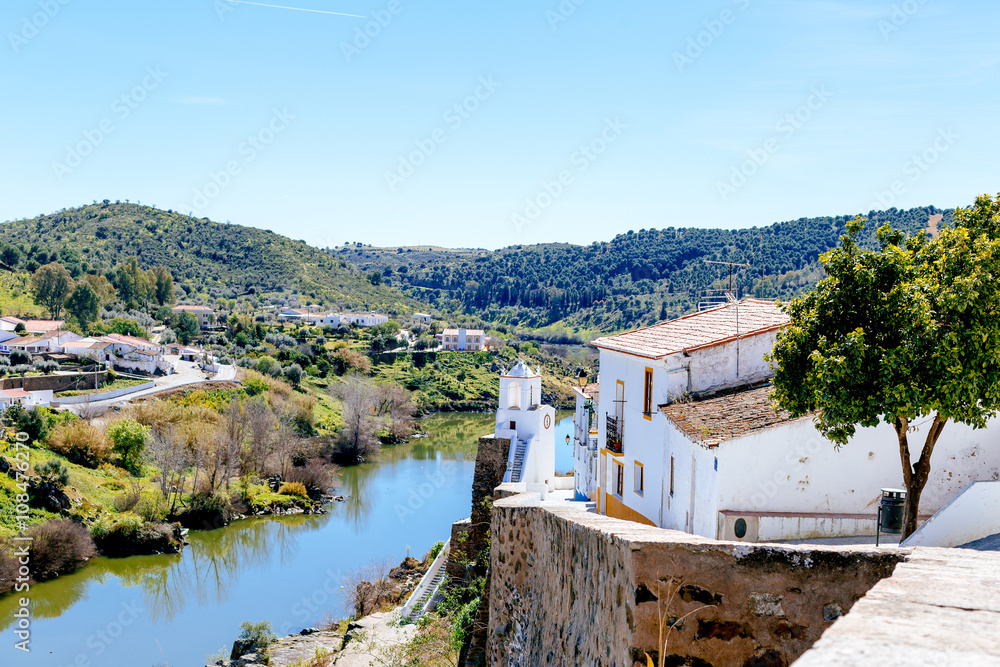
pixel 731 266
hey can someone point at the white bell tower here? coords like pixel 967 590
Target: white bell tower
pixel 528 424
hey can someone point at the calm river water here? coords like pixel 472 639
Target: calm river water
pixel 147 611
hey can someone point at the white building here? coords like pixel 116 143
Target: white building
pixel 530 427
pixel 294 314
pixel 689 440
pixel 469 340
pixel 50 342
pixel 585 448
pixel 28 399
pixel 423 317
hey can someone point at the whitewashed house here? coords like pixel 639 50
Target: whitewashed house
pixel 50 342
pixel 93 349
pixel 131 353
pixel 28 399
pixel 8 323
pixel 294 314
pixel 530 427
pixel 423 317
pixel 689 439
pixel 585 448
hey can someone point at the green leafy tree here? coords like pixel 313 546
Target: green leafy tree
pixel 186 327
pixel 163 286
pixel 128 441
pixel 83 304
pixel 10 256
pixel 133 287
pixel 907 331
pixel 50 285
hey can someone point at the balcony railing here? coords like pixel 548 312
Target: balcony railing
pixel 613 438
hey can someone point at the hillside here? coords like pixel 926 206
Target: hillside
pixel 565 291
pixel 205 257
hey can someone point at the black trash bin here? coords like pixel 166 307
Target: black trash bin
pixel 890 512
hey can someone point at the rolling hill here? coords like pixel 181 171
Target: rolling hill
pixel 570 292
pixel 205 257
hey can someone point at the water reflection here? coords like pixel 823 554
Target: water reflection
pixel 216 564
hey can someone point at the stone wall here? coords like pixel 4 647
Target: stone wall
pixel 491 464
pixel 569 587
pixel 56 383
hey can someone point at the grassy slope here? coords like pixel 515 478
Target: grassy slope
pixel 211 258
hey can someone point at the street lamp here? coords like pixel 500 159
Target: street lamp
pixel 567 439
pixel 581 378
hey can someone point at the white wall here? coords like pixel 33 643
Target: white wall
pixel 792 468
pixel 715 368
pixel 970 516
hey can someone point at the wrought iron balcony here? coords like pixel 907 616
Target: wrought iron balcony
pixel 613 436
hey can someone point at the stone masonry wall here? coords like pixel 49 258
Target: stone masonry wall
pixel 54 382
pixel 491 465
pixel 569 587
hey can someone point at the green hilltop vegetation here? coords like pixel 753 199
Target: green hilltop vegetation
pixel 566 292
pixel 207 258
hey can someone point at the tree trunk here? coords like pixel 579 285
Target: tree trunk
pixel 915 475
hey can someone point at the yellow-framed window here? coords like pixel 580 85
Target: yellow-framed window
pixel 638 478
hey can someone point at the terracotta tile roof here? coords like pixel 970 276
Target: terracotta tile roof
pixel 193 309
pixel 26 340
pixel 704 329
pixel 16 393
pixel 727 417
pixel 132 340
pixel 43 325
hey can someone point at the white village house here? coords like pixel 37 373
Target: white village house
pixel 204 314
pixel 688 439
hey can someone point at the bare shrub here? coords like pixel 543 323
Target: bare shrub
pixel 317 476
pixel 398 407
pixel 81 442
pixel 130 497
pixel 58 546
pixel 360 398
pixel 371 588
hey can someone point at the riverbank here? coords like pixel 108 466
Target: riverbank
pixel 294 571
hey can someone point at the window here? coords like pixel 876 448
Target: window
pixel 647 395
pixel 638 479
pixel 513 426
pixel 619 479
pixel 671 475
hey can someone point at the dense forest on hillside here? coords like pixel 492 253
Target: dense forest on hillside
pixel 204 257
pixel 635 279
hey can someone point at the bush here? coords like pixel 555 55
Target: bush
pixel 30 421
pixel 128 534
pixel 53 472
pixel 435 551
pixel 58 546
pixel 20 358
pixel 259 635
pixel 346 361
pixel 80 442
pixel 45 365
pixel 268 366
pixel 293 373
pixel 128 441
pixel 293 489
pixel 317 476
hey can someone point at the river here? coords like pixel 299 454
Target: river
pixel 175 610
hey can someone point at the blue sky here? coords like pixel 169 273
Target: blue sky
pixel 487 124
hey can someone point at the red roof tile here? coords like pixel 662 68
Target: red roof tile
pixel 746 318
